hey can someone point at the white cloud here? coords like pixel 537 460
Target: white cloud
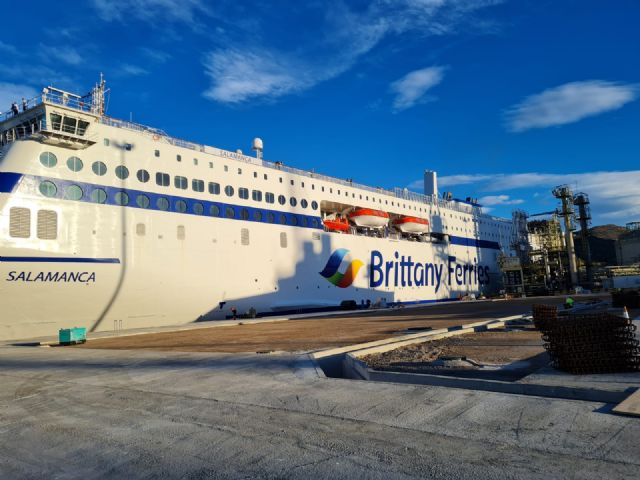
pixel 186 11
pixel 246 72
pixel 13 92
pixel 158 56
pixel 6 48
pixel 499 200
pixel 132 70
pixel 614 194
pixel 411 88
pixel 569 103
pixel 67 55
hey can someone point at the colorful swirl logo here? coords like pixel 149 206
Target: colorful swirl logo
pixel 331 273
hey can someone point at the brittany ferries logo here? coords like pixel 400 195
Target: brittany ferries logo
pixel 347 276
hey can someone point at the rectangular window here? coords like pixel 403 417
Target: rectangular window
pixel 156 153
pixel 265 176
pixel 162 179
pixel 180 182
pixel 82 127
pixel 269 197
pixel 106 142
pixel 291 182
pixel 197 185
pixel 243 193
pixel 56 121
pixel 19 222
pixel 195 161
pixel 214 188
pixel 244 236
pixel 256 195
pixel 255 174
pixel 226 168
pixel 210 164
pixel 69 125
pixel 179 158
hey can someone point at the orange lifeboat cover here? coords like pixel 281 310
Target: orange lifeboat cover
pixel 361 212
pixel 401 220
pixel 339 224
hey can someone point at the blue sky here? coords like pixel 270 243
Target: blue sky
pixel 504 98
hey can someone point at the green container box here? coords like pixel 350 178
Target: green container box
pixel 68 336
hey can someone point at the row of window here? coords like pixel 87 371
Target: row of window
pixel 99 195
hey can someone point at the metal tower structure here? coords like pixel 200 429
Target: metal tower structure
pixel 581 200
pixel 565 195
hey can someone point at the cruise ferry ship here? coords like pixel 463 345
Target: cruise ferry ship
pixel 107 224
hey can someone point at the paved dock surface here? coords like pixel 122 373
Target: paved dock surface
pixel 91 414
pixel 324 332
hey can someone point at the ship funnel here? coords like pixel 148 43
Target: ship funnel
pixel 430 183
pixel 257 146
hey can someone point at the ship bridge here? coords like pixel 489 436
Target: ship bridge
pixel 55 117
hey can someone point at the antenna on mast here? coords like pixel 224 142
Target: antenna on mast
pixel 97 97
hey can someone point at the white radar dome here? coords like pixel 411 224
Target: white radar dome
pixel 257 144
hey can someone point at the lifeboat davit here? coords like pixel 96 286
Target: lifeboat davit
pixel 336 224
pixel 411 224
pixel 367 217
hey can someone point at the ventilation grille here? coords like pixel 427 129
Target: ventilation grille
pixel 141 229
pixel 283 239
pixel 244 236
pixel 181 234
pixel 315 236
pixel 20 222
pixel 47 225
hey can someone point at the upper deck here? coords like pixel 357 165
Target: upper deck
pixel 65 119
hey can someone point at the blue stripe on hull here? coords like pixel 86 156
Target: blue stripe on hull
pixel 58 260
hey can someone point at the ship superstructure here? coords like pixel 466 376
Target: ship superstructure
pixel 110 224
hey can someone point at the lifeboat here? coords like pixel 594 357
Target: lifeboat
pixel 367 217
pixel 336 224
pixel 411 224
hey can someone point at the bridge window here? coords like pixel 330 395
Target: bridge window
pixel 256 195
pixel 243 193
pixel 228 190
pixel 122 172
pixel 180 182
pixel 143 176
pixel 82 127
pixel 69 125
pixel 56 121
pixel 48 189
pixel 214 188
pixel 20 222
pixel 48 159
pixel 162 179
pixel 269 197
pixel 73 192
pixel 99 168
pixel 98 196
pixel 197 185
pixel 162 203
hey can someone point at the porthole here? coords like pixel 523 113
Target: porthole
pixel 304 203
pixel 48 159
pixel 98 196
pixel 303 221
pixel 214 211
pixel 99 168
pixel 244 214
pixel 293 202
pixel 293 220
pixel 257 215
pixel 314 222
pixel 122 198
pixel 162 203
pixel 281 199
pixel 229 212
pixel 73 192
pixel 143 176
pixel 48 189
pixel 271 218
pixel 122 172
pixel 181 206
pixel 283 218
pixel 228 190
pixel 314 205
pixel 74 164
pixel 198 209
pixel 142 201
